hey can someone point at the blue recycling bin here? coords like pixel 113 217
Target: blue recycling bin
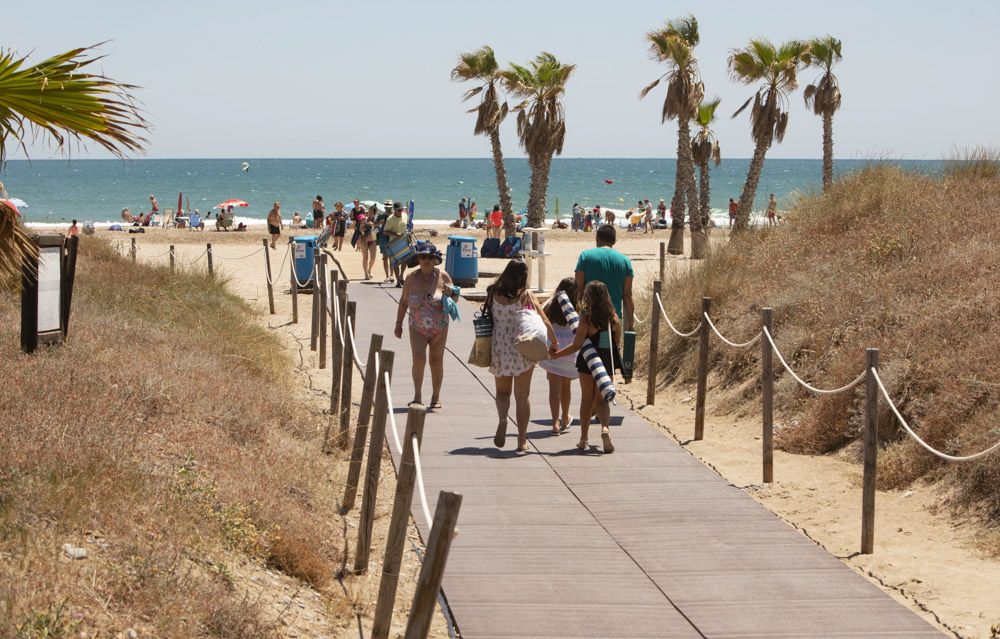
pixel 303 253
pixel 462 261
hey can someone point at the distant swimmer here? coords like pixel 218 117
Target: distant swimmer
pixel 245 167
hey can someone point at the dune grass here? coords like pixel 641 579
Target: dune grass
pixel 887 259
pixel 164 439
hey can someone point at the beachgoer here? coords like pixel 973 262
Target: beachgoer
pixel 423 296
pixel 296 220
pixel 341 226
pixel 463 213
pixel 507 300
pixel 772 211
pixel 395 228
pixel 318 211
pixel 661 210
pixel 153 205
pixel 597 316
pixel 733 207
pixel 647 217
pixel 605 264
pixel 560 372
pixel 496 221
pixel 73 230
pixel 126 215
pixel 383 244
pixel 274 223
pixel 473 209
pixel 577 218
pixel 610 216
pixel 364 229
pixel 588 222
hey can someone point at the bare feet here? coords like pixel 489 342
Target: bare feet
pixel 556 427
pixel 582 444
pixel 522 444
pixel 501 435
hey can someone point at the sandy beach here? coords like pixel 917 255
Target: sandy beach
pixel 924 557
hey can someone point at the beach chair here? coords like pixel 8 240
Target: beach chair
pixel 195 222
pixel 168 218
pixel 88 227
pixel 224 222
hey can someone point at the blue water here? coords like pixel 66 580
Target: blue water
pixel 57 190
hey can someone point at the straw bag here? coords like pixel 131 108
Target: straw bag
pixel 481 354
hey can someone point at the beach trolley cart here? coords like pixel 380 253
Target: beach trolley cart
pixel 303 253
pixel 462 261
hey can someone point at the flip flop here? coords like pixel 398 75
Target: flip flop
pixel 434 405
pixel 606 440
pixel 501 436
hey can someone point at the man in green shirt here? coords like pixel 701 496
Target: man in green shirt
pixel 395 228
pixel 607 265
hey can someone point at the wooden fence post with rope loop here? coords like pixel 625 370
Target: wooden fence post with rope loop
pixel 361 431
pixel 654 341
pixel 699 406
pixel 376 445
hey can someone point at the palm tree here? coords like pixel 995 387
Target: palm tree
pixel 776 70
pixel 674 44
pixel 824 96
pixel 705 149
pixel 481 66
pixel 541 120
pixel 61 100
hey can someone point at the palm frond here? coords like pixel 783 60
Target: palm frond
pixel 15 244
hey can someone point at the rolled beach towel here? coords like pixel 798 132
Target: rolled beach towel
pixel 604 384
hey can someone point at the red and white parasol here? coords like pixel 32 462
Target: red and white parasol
pixel 233 203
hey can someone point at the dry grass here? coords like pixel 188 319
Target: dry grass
pixel 979 162
pixel 161 437
pixel 905 263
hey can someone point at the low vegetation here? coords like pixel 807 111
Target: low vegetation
pixel 886 259
pixel 163 440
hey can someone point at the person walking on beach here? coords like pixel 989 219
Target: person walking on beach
pixel 647 217
pixel 318 211
pixel 733 207
pixel 495 222
pixel 508 301
pixel 463 214
pixel 661 211
pixel 423 297
pixel 597 319
pixel 364 229
pixel 577 218
pixel 274 223
pixel 561 372
pixel 340 230
pixel 605 264
pixel 395 228
pixel 772 211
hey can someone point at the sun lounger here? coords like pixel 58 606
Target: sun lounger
pixel 195 222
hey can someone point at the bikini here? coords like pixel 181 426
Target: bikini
pixel 427 315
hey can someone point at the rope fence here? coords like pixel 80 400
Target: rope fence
pixel 874 387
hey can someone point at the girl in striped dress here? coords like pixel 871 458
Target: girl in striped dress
pixel 599 322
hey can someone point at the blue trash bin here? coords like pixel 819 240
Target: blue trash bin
pixel 303 252
pixel 462 261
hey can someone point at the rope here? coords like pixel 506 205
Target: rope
pixel 153 256
pixel 354 349
pixel 301 284
pixel 203 254
pixel 926 446
pixel 671 324
pixel 637 320
pixel 233 259
pixel 335 312
pixel 818 391
pixel 733 344
pixel 420 483
pixel 281 266
pixel 392 416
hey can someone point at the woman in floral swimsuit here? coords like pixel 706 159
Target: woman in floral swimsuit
pixel 423 296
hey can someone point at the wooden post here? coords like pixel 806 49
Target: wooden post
pixel 336 350
pixel 341 291
pixel 132 250
pixel 654 341
pixel 767 394
pixel 870 454
pixel 663 260
pixel 267 270
pixel 375 446
pixel 314 334
pixel 397 526
pixel 69 275
pixel 294 287
pixel 699 406
pixel 211 267
pixel 346 379
pixel 324 320
pixel 361 432
pixel 432 570
pixel 171 258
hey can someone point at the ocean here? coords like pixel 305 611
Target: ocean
pixel 97 190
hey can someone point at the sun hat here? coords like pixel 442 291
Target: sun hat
pixel 397 206
pixel 429 249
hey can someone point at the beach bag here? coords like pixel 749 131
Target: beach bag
pixel 481 354
pixel 530 341
pixel 401 249
pixel 491 247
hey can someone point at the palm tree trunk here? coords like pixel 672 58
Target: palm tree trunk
pixel 705 192
pixel 539 185
pixel 827 151
pixel 675 246
pixel 686 164
pixel 503 188
pixel 750 187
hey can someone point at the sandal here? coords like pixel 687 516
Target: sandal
pixel 435 404
pixel 606 440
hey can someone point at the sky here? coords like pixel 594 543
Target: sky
pixel 304 78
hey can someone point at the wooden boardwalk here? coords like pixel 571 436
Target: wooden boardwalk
pixel 646 542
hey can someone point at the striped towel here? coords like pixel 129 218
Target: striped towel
pixel 604 383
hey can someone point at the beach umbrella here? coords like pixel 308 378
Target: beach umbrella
pixel 232 203
pixel 409 211
pixel 18 203
pixel 180 203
